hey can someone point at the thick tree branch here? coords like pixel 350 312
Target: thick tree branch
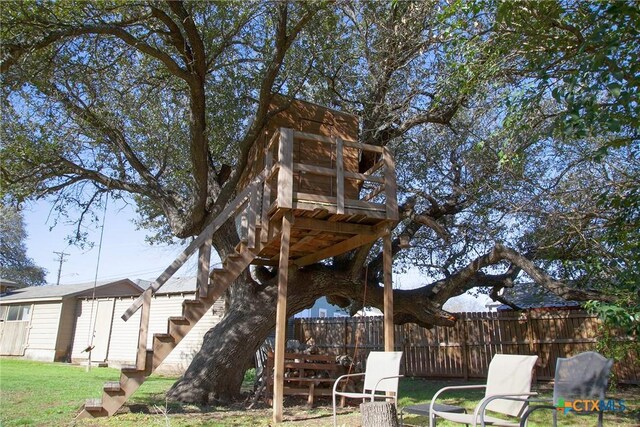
pixel 175 35
pixel 193 35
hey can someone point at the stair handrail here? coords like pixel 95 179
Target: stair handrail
pixel 231 209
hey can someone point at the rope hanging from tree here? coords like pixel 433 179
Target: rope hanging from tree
pixel 92 321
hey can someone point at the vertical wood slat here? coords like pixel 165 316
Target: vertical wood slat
pixel 244 225
pixel 141 356
pixel 339 176
pixel 254 199
pixel 285 172
pixel 465 351
pixel 390 186
pixel 281 318
pixel 266 199
pixel 204 264
pixel 388 292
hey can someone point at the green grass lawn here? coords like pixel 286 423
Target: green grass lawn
pixel 34 393
pixel 51 394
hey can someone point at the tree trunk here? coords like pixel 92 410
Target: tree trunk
pixel 378 414
pixel 217 370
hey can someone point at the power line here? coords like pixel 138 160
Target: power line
pixel 61 259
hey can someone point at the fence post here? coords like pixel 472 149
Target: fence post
pixel 345 337
pixel 465 357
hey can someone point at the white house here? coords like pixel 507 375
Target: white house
pixel 38 322
pixel 122 339
pixel 60 323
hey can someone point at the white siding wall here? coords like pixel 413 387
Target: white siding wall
pixel 80 335
pixel 45 319
pixel 65 331
pixel 124 335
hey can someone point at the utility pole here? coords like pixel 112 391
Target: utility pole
pixel 61 256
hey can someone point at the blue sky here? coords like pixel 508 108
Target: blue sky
pixel 124 250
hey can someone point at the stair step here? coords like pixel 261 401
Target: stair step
pixel 179 320
pixel 195 309
pixel 92 405
pixel 220 272
pixel 112 387
pixel 163 337
pixel 130 369
pixel 179 328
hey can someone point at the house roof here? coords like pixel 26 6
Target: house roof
pixel 58 292
pixel 175 285
pixel 530 295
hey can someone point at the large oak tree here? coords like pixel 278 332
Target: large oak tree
pixel 159 103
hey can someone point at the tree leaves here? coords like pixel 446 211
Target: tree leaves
pixel 15 265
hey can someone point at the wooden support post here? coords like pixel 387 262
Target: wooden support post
pixel 141 357
pixel 390 186
pixel 339 177
pixel 281 319
pixel 204 261
pixel 285 172
pixel 387 256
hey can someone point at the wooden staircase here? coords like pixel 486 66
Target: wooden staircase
pixel 116 393
pixel 211 286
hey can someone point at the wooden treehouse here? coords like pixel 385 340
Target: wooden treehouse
pixel 302 199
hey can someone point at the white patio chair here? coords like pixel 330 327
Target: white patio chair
pixel 507 389
pixel 380 379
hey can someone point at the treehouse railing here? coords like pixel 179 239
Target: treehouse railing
pixel 381 177
pixel 202 243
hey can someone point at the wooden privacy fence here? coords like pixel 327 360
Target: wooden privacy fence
pixel 465 350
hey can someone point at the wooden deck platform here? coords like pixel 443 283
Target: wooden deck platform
pixel 317 234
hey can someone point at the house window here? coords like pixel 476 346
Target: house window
pixel 322 312
pixel 18 312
